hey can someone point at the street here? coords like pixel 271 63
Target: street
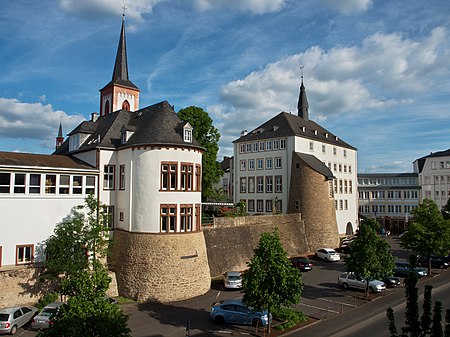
pixel 342 312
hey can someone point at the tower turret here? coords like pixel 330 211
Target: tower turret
pixel 302 105
pixel 59 138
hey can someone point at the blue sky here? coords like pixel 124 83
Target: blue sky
pixel 376 71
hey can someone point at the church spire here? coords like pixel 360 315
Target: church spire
pixel 120 93
pixel 59 138
pixel 302 105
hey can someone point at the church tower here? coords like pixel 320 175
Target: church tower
pixel 302 105
pixel 120 93
pixel 59 138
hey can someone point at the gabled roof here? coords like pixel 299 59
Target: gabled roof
pixel 316 164
pixel 157 124
pixel 421 161
pixel 42 160
pixel 285 125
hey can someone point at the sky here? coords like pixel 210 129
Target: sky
pixel 376 72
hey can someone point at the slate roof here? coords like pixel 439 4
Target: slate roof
pixel 41 160
pixel 286 124
pixel 316 165
pixel 421 161
pixel 157 124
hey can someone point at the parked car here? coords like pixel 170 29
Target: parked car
pixel 15 317
pixel 234 311
pixel 403 268
pixel 350 280
pixel 391 281
pixel 44 319
pixel 301 262
pixel 439 262
pixel 328 254
pixel 232 280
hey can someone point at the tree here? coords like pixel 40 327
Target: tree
pixel 208 137
pixel 369 254
pixel 425 321
pixel 77 251
pixel 428 232
pixel 271 280
pixel 436 329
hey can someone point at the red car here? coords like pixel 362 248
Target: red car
pixel 301 262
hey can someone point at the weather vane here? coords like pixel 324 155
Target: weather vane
pixel 301 70
pixel 124 9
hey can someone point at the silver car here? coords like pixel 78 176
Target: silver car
pixel 43 320
pixel 232 280
pixel 350 280
pixel 13 318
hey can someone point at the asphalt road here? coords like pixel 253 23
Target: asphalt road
pixel 341 312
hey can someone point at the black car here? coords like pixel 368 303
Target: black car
pixel 301 262
pixel 391 281
pixel 439 262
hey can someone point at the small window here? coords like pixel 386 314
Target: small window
pixel 311 146
pixel 35 184
pixel 50 183
pixel 5 182
pixel 109 216
pixel 282 144
pixel 122 177
pixel 188 136
pixel 90 185
pixel 24 254
pixel 108 177
pixel 64 184
pixel 19 183
pixel 77 185
pixel 126 105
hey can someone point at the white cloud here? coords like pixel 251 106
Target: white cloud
pixel 33 120
pixel 254 6
pixel 385 71
pixel 135 9
pixel 349 6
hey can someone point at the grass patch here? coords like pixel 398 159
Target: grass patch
pixel 290 317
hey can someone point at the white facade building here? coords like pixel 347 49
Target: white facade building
pixel 389 198
pixel 434 177
pixel 263 165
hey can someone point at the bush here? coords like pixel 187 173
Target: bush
pixel 290 316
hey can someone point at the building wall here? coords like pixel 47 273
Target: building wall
pixel 161 267
pixel 343 163
pixel 310 195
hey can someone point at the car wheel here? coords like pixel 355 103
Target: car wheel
pixel 256 322
pixel 345 285
pixel 13 330
pixel 219 320
pixel 371 290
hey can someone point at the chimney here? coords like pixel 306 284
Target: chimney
pixel 94 116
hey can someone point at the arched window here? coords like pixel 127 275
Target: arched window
pixel 106 108
pixel 126 105
pixel 349 229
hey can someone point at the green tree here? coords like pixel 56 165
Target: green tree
pixel 78 242
pixel 425 320
pixel 369 254
pixel 271 280
pixel 447 323
pixel 436 330
pixel 77 251
pixel 428 232
pixel 208 136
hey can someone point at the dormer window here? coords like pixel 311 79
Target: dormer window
pixel 187 133
pixel 125 135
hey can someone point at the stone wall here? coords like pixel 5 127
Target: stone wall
pixel 231 242
pixel 160 267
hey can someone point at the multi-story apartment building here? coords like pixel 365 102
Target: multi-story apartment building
pixel 388 197
pixel 267 163
pixel 434 177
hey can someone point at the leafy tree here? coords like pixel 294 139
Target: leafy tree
pixel 447 323
pixel 428 232
pixel 77 251
pixel 208 136
pixel 412 323
pixel 391 322
pixel 446 210
pixel 369 254
pixel 271 280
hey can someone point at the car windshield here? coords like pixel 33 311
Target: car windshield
pixel 4 317
pixel 48 312
pixel 234 277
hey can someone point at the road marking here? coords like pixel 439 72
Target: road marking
pixel 336 302
pixel 319 308
pixel 218 294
